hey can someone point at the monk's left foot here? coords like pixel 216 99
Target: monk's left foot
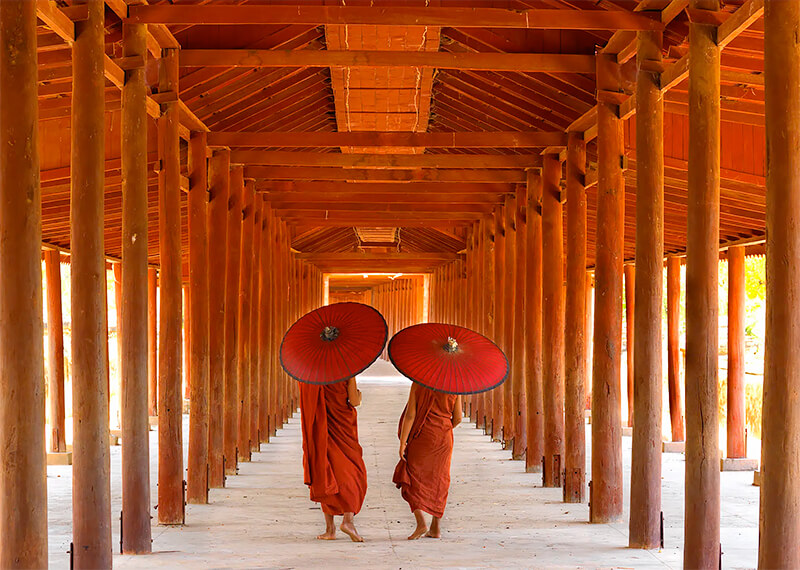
pixel 350 530
pixel 433 534
pixel 419 532
pixel 328 535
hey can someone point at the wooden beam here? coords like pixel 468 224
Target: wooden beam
pixel 300 207
pixel 739 21
pixel 52 16
pixel 289 188
pixel 511 139
pixel 389 161
pixel 517 62
pixel 366 174
pixel 399 196
pixel 444 17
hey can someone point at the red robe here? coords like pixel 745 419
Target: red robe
pixel 333 466
pixel 424 475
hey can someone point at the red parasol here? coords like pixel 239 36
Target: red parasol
pixel 448 358
pixel 333 343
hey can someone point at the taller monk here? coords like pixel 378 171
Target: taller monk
pixel 333 463
pixel 426 447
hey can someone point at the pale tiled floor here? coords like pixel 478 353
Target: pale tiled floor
pixel 497 515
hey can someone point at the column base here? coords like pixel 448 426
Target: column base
pixel 59 458
pixel 152 422
pixel 673 447
pixel 738 464
pixel 587 415
pixel 757 478
pixel 627 431
pixel 186 406
pixel 115 437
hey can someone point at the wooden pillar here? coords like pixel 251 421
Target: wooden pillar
pixel 170 402
pixel 519 411
pixel 533 314
pixel 673 347
pixel 116 272
pixel 197 479
pixel 231 404
pixel 605 495
pixel 645 519
pixel 736 422
pixel 245 310
pixel 187 340
pixel 152 341
pixel 589 336
pixel 55 351
pixel 23 487
pixel 575 323
pixel 255 299
pixel 630 303
pixel 499 313
pixel 552 322
pixel 488 282
pixel 218 193
pixel 264 327
pixel 91 496
pixel 132 308
pixel 779 521
pixel 701 544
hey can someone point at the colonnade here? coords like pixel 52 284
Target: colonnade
pixel 401 302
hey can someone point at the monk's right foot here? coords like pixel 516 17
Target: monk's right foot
pixel 329 534
pixel 350 530
pixel 419 532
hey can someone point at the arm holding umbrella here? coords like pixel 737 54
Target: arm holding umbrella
pixel 353 393
pixel 409 415
pixel 458 413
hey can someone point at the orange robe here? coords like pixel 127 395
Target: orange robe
pixel 424 475
pixel 333 465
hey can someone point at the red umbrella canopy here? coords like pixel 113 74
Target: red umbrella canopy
pixel 448 358
pixel 333 343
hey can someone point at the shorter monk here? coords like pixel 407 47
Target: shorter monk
pixel 426 447
pixel 333 463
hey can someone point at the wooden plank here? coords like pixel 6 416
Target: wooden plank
pixel 517 62
pixel 399 161
pixel 739 21
pixel 52 16
pixel 113 72
pixel 511 139
pixel 368 196
pixel 415 188
pixel 675 73
pixel 396 15
pixel 382 207
pixel 428 175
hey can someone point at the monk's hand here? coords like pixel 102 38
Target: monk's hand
pixel 403 450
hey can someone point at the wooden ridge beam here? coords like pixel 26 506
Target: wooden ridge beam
pixel 370 197
pixel 384 175
pixel 411 189
pixel 532 139
pixel 396 15
pixel 389 161
pixel 374 207
pixel 517 62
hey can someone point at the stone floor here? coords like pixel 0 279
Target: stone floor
pixel 497 515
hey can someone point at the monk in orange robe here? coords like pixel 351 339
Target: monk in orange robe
pixel 426 447
pixel 333 465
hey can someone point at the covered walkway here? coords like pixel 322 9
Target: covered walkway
pixel 498 516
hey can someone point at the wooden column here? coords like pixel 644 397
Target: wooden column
pixel 630 303
pixel 187 340
pixel 606 487
pixel 736 422
pixel 589 336
pixel 552 322
pixel 509 318
pixel 23 471
pixel 218 194
pixel 701 544
pixel 152 341
pixel 91 495
pixel 170 402
pixel 779 521
pixel 520 334
pixel 231 404
pixel 645 519
pixel 132 324
pixel 673 347
pixel 245 300
pixel 533 324
pixel 255 300
pixel 55 351
pixel 575 323
pixel 197 479
pixel 500 314
pixel 264 327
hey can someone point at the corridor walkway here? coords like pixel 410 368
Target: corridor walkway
pixel 497 515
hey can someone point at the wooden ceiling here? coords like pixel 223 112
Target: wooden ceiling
pixel 402 114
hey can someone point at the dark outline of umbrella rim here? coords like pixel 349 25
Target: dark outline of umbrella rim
pixel 383 344
pixel 396 367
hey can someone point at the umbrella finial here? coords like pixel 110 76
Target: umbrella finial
pixel 452 344
pixel 329 333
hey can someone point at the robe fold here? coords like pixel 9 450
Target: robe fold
pixel 424 475
pixel 333 465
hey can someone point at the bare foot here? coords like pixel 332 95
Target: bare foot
pixel 329 534
pixel 433 534
pixel 349 529
pixel 419 532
